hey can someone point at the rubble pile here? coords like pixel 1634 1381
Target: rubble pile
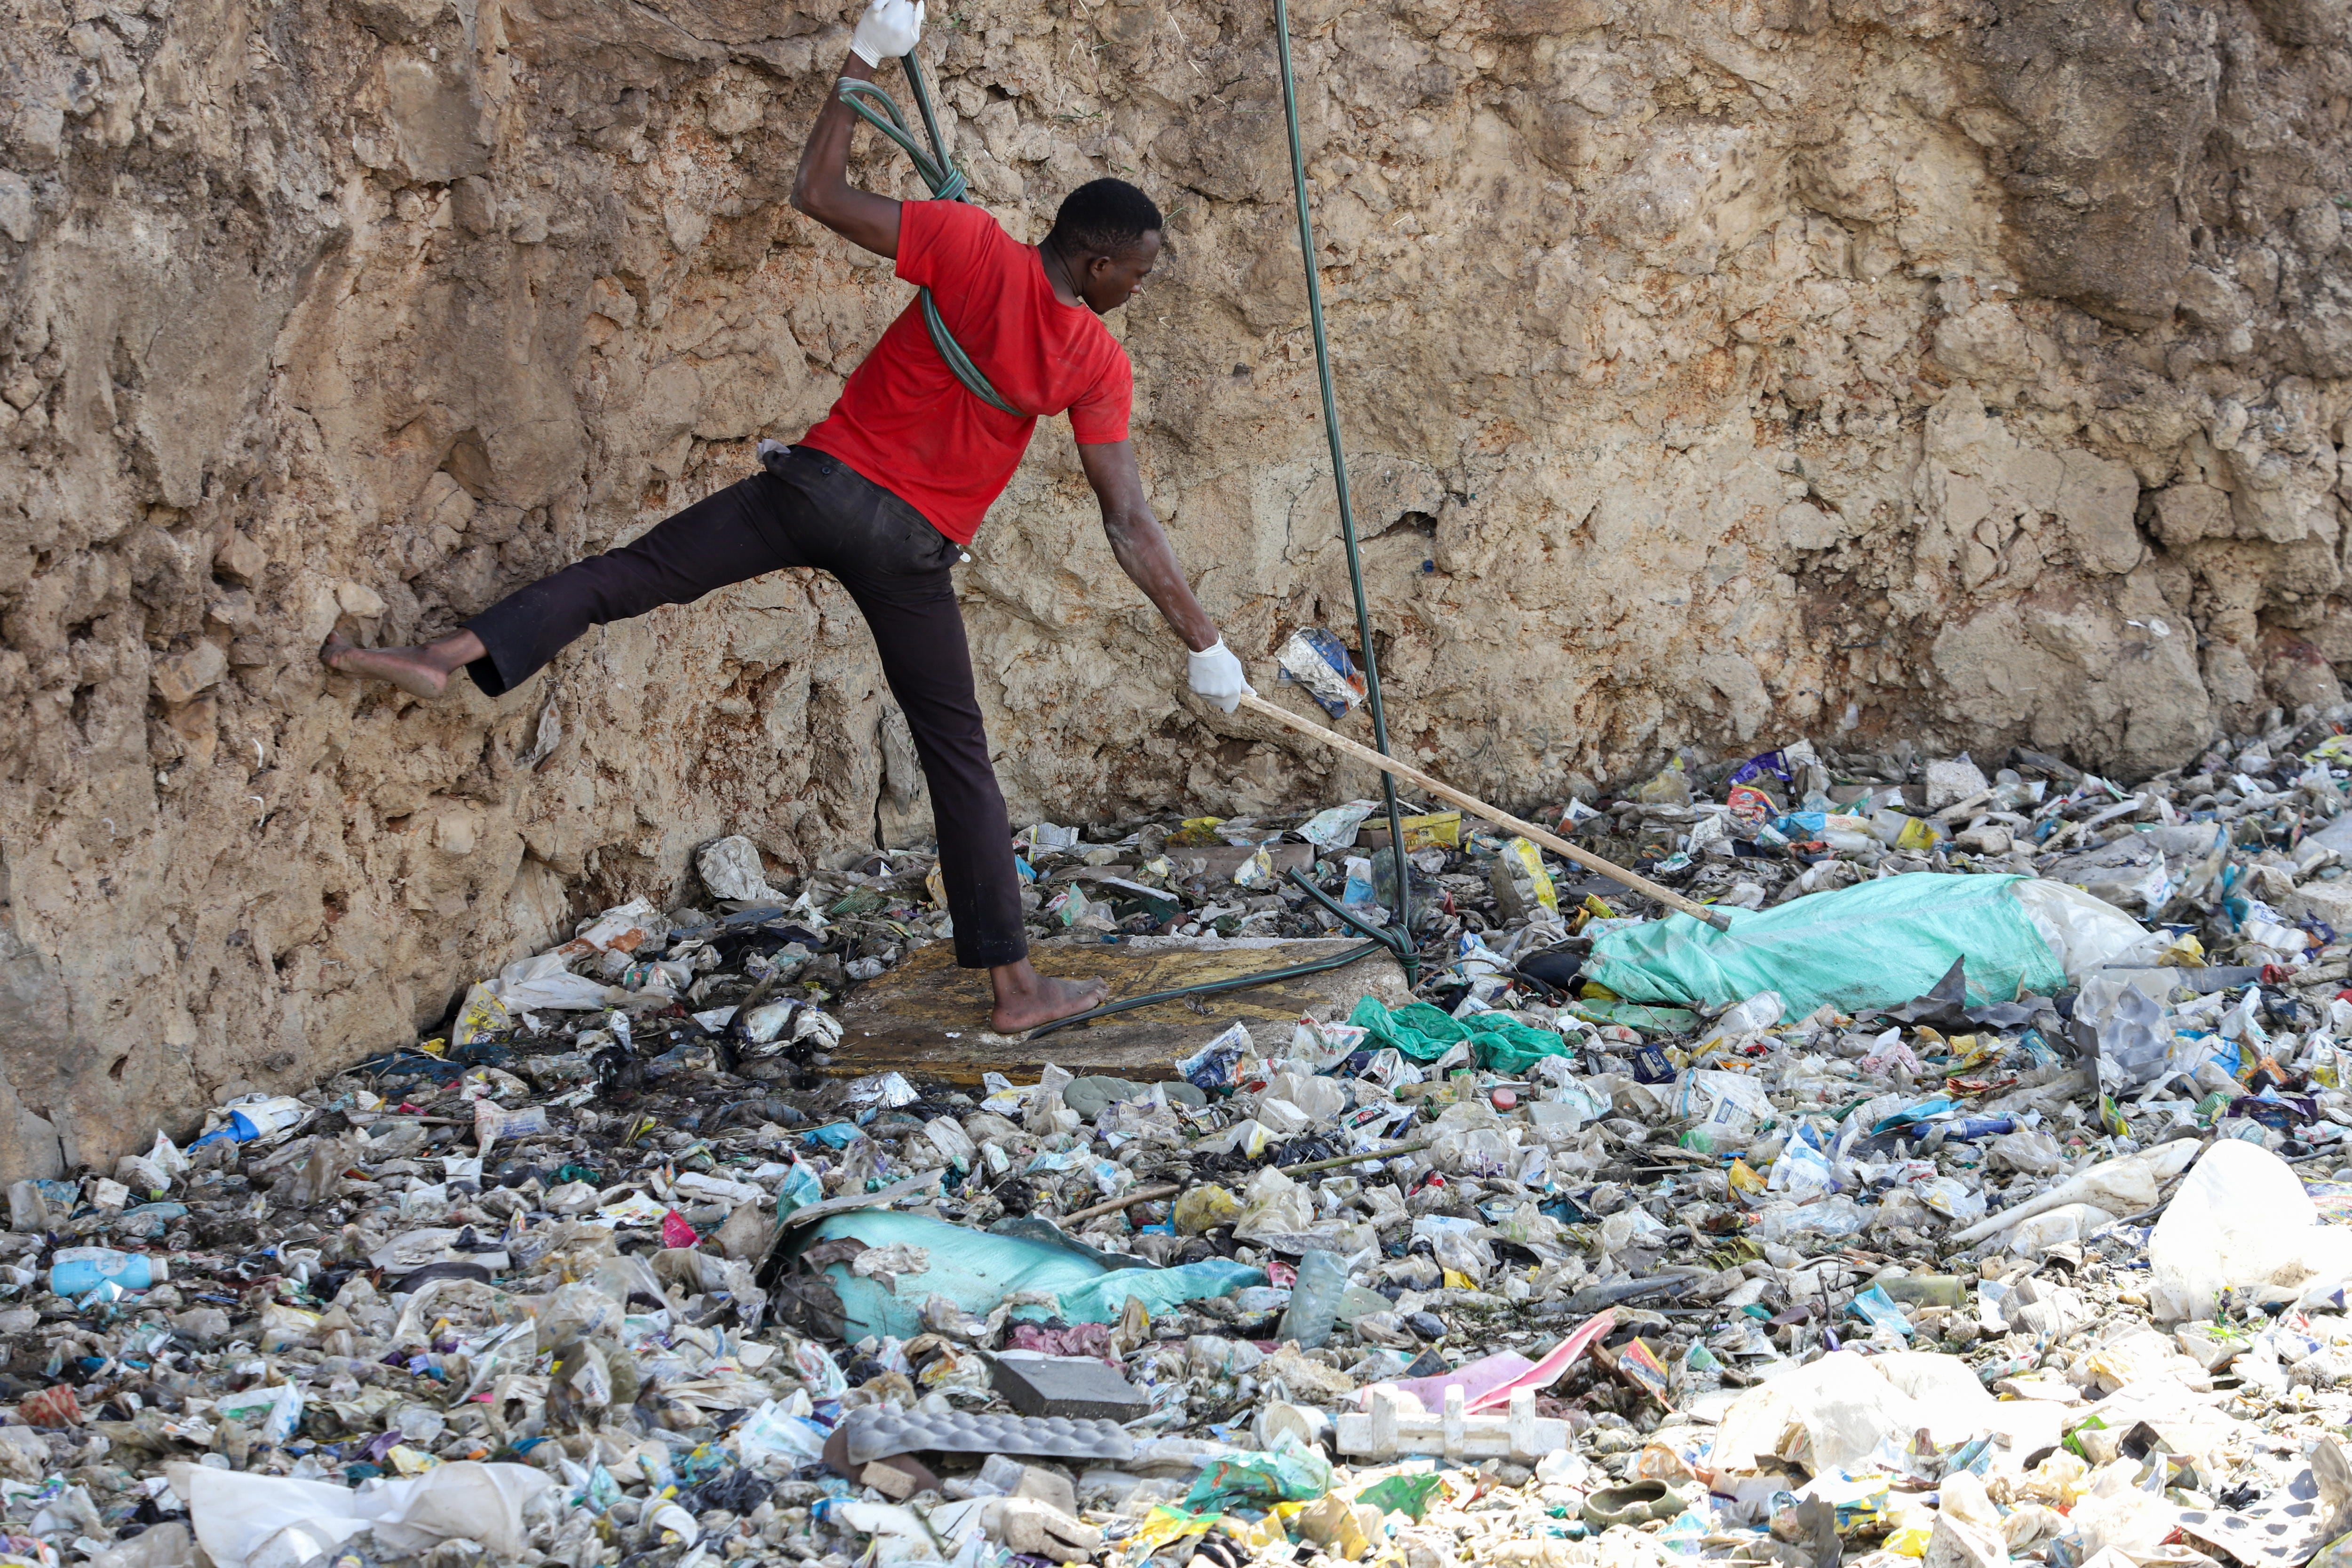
pixel 1975 1196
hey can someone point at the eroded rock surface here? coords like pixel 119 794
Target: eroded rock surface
pixel 1966 369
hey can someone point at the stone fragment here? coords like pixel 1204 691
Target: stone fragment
pixel 182 675
pixel 1952 781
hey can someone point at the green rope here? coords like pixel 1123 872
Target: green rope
pixel 947 184
pixel 1340 479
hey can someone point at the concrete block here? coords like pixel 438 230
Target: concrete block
pixel 1076 1387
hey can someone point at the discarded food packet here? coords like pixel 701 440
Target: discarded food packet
pixel 1325 1045
pixel 1336 828
pixel 1749 802
pixel 1431 830
pixel 1214 1069
pixel 888 1089
pixel 1315 660
pixel 493 1122
pixel 259 1118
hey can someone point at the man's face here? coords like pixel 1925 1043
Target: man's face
pixel 1109 281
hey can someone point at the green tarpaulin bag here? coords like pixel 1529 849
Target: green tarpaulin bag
pixel 1876 945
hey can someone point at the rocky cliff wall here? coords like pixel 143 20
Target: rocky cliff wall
pixel 1973 370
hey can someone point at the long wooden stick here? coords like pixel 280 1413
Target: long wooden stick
pixel 1495 814
pixel 1171 1189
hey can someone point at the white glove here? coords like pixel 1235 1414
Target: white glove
pixel 889 29
pixel 1217 676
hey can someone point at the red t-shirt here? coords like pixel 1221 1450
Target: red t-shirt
pixel 904 420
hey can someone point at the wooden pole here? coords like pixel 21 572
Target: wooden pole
pixel 1495 814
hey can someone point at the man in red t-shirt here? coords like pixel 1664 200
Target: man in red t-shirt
pixel 885 491
pixel 890 487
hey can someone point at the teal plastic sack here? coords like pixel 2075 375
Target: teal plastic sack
pixel 1876 945
pixel 1498 1042
pixel 1101 1300
pixel 977 1269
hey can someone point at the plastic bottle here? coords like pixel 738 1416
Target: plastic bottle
pixel 1314 1300
pixel 78 1270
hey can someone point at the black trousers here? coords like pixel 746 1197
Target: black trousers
pixel 808 509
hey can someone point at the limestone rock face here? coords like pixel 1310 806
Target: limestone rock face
pixel 1973 370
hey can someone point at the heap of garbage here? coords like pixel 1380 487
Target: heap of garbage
pixel 1976 1196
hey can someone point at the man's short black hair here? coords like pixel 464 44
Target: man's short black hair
pixel 1102 217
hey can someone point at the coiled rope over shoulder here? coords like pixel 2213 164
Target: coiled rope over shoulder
pixel 947 184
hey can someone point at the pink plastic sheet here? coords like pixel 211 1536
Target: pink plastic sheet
pixel 1488 1383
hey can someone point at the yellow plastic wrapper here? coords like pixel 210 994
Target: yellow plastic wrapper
pixel 2061 1480
pixel 1744 1179
pixel 1911 1540
pixel 1669 786
pixel 2185 952
pixel 1344 1530
pixel 482 1016
pixel 1524 863
pixel 1194 832
pixel 1204 1208
pixel 1917 834
pixel 1437 828
pixel 1257 871
pixel 1280 1523
pixel 1164 1526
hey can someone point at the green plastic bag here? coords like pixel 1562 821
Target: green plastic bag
pixel 1498 1042
pixel 1876 945
pixel 1407 1495
pixel 1291 1472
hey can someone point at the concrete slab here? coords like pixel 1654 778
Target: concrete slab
pixel 929 1016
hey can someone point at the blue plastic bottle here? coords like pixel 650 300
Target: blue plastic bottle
pixel 78 1270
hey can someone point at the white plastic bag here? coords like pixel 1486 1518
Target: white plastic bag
pixel 1274 1204
pixel 2084 932
pixel 546 982
pixel 730 869
pixel 2242 1219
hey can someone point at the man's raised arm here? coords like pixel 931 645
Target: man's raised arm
pixel 821 186
pixel 1141 547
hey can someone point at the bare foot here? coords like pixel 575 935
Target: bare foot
pixel 1024 998
pixel 423 671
